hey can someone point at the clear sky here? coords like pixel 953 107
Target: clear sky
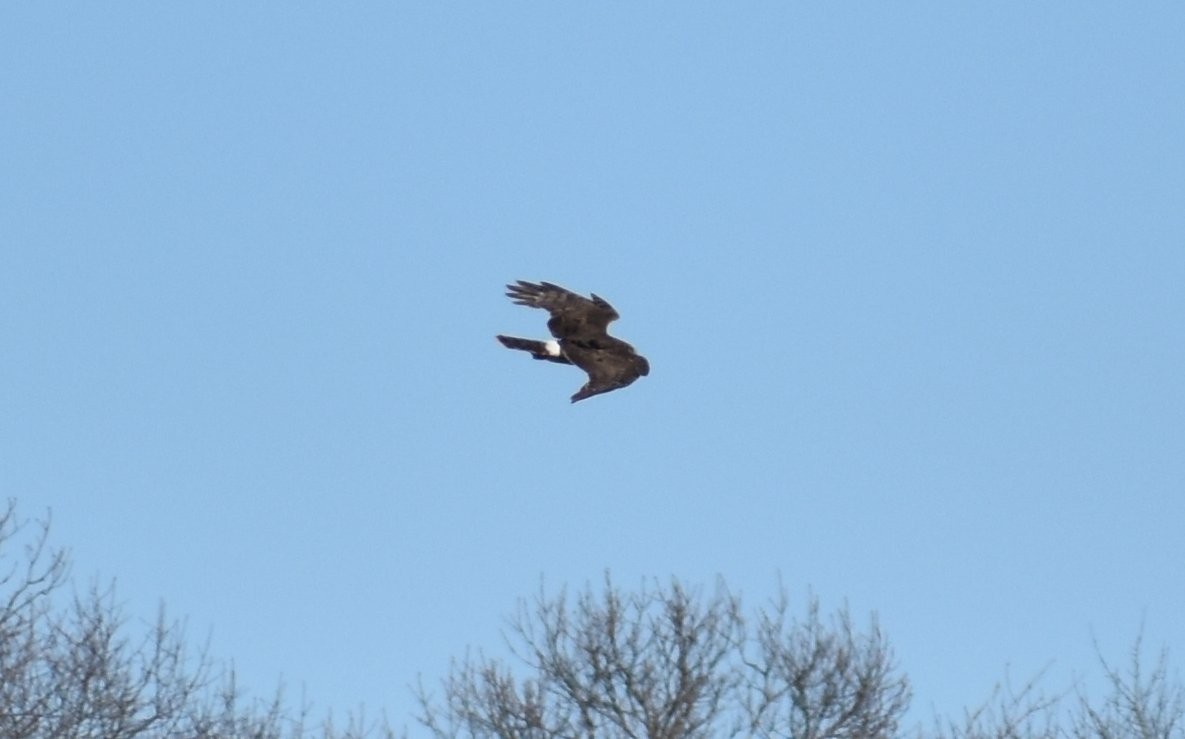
pixel 910 277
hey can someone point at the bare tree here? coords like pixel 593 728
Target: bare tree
pixel 1009 713
pixel 819 679
pixel 24 591
pixel 1141 704
pixel 76 670
pixel 662 662
pixel 670 663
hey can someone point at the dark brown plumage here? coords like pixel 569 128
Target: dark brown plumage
pixel 581 328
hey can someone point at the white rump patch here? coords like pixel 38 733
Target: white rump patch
pixel 552 347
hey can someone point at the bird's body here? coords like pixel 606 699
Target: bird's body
pixel 580 327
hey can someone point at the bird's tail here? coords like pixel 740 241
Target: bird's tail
pixel 549 350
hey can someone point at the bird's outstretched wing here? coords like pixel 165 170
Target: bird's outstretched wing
pixel 572 316
pixel 608 367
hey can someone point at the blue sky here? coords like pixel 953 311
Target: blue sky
pixel 910 277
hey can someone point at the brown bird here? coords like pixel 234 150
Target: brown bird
pixel 580 326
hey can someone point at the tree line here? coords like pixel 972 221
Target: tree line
pixel 665 660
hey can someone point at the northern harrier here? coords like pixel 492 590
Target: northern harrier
pixel 580 326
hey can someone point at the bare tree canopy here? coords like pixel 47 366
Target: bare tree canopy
pixel 75 670
pixel 673 662
pixel 1138 704
pixel 820 678
pixel 665 661
pixel 668 662
pixel 1141 704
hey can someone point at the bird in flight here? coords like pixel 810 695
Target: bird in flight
pixel 580 326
